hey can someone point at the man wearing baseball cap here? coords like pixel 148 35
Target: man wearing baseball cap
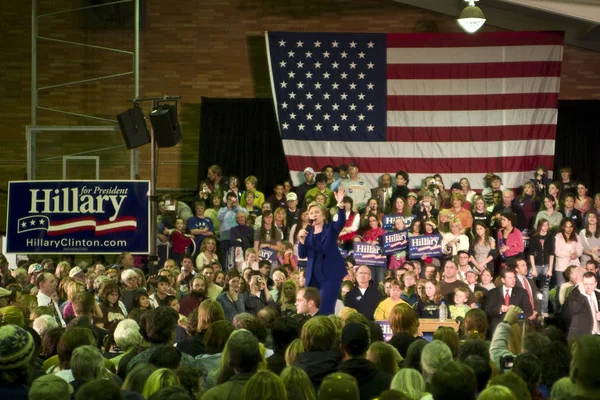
pixel 292 210
pixel 301 190
pixel 356 187
pixel 355 343
pixel 77 274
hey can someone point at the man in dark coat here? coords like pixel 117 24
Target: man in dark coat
pixel 319 358
pixel 365 297
pixel 581 309
pixel 500 298
pixel 355 343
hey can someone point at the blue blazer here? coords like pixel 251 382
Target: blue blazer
pixel 330 264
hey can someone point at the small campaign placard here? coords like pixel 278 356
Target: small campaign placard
pixel 389 221
pixel 366 254
pixel 394 242
pixel 424 245
pixel 267 253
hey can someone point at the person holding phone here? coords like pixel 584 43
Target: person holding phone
pixel 325 265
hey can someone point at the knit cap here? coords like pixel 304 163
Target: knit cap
pixel 16 347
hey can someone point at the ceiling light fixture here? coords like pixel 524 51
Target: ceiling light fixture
pixel 471 18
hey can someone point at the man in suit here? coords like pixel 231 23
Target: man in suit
pixel 383 194
pixel 568 210
pixel 592 266
pixel 308 301
pixel 500 298
pixel 365 297
pixel 527 284
pixel 581 310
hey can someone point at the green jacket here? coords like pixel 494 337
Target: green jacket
pixel 232 389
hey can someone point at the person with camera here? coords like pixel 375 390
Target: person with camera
pixel 426 207
pixel 499 352
pixel 259 296
pixel 541 181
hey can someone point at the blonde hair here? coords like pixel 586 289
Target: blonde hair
pixel 252 179
pixel 321 207
pixel 205 242
pixel 318 334
pixel 297 381
pixel 337 323
pixel 456 221
pixel 410 382
pixel 385 357
pixel 264 385
pixel 498 392
pixel 73 287
pixel 295 347
pixel 280 210
pixel 159 379
pixel 345 313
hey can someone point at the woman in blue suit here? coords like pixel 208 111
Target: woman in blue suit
pixel 326 266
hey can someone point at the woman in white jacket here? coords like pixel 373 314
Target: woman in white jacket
pixel 567 249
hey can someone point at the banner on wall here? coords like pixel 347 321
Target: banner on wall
pixel 365 254
pixel 56 217
pixel 394 242
pixel 424 245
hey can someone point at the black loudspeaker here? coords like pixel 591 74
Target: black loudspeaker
pixel 167 132
pixel 133 127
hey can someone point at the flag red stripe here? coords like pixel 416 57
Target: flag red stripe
pixel 471 134
pixel 481 39
pixel 427 165
pixel 474 70
pixel 472 102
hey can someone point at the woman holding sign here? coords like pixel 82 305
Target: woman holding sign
pixel 326 266
pixel 268 235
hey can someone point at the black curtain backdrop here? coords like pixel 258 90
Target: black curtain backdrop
pixel 578 140
pixel 241 136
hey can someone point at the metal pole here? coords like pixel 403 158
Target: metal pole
pixel 31 135
pixel 34 32
pixel 153 259
pixel 134 155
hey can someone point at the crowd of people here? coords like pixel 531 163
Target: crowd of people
pixel 242 307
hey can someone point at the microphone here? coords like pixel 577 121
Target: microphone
pixel 309 227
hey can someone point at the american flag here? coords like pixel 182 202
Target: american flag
pixel 456 104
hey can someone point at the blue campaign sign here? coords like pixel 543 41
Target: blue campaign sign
pixel 386 329
pixel 389 221
pixel 394 242
pixel 55 217
pixel 365 254
pixel 267 253
pixel 428 245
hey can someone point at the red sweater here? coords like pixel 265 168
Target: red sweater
pixel 180 242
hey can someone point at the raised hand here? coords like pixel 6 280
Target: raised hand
pixel 339 195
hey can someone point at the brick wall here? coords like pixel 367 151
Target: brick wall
pixel 212 48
